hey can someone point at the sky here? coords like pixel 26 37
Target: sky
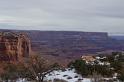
pixel 63 15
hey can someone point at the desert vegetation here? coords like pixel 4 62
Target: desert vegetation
pixel 97 71
pixel 35 68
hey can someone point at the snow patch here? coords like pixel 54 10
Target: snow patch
pixel 67 75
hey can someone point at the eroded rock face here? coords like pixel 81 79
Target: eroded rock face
pixel 14 46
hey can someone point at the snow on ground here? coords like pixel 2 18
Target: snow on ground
pixel 65 75
pixel 21 80
pixel 59 74
pixel 68 75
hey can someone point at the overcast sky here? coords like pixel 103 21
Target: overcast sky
pixel 70 15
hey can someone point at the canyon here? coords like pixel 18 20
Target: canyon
pixel 65 46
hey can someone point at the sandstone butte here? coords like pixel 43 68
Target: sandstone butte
pixel 14 47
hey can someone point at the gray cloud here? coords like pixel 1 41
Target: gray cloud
pixel 78 15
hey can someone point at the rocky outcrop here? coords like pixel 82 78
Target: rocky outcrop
pixel 14 46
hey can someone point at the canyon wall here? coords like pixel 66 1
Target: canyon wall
pixel 14 46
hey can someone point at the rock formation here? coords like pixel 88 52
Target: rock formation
pixel 14 46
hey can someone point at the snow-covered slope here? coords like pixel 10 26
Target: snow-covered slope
pixel 68 75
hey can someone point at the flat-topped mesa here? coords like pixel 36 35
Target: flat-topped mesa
pixel 14 46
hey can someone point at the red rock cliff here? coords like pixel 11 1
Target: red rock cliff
pixel 14 46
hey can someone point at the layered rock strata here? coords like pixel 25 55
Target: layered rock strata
pixel 14 46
